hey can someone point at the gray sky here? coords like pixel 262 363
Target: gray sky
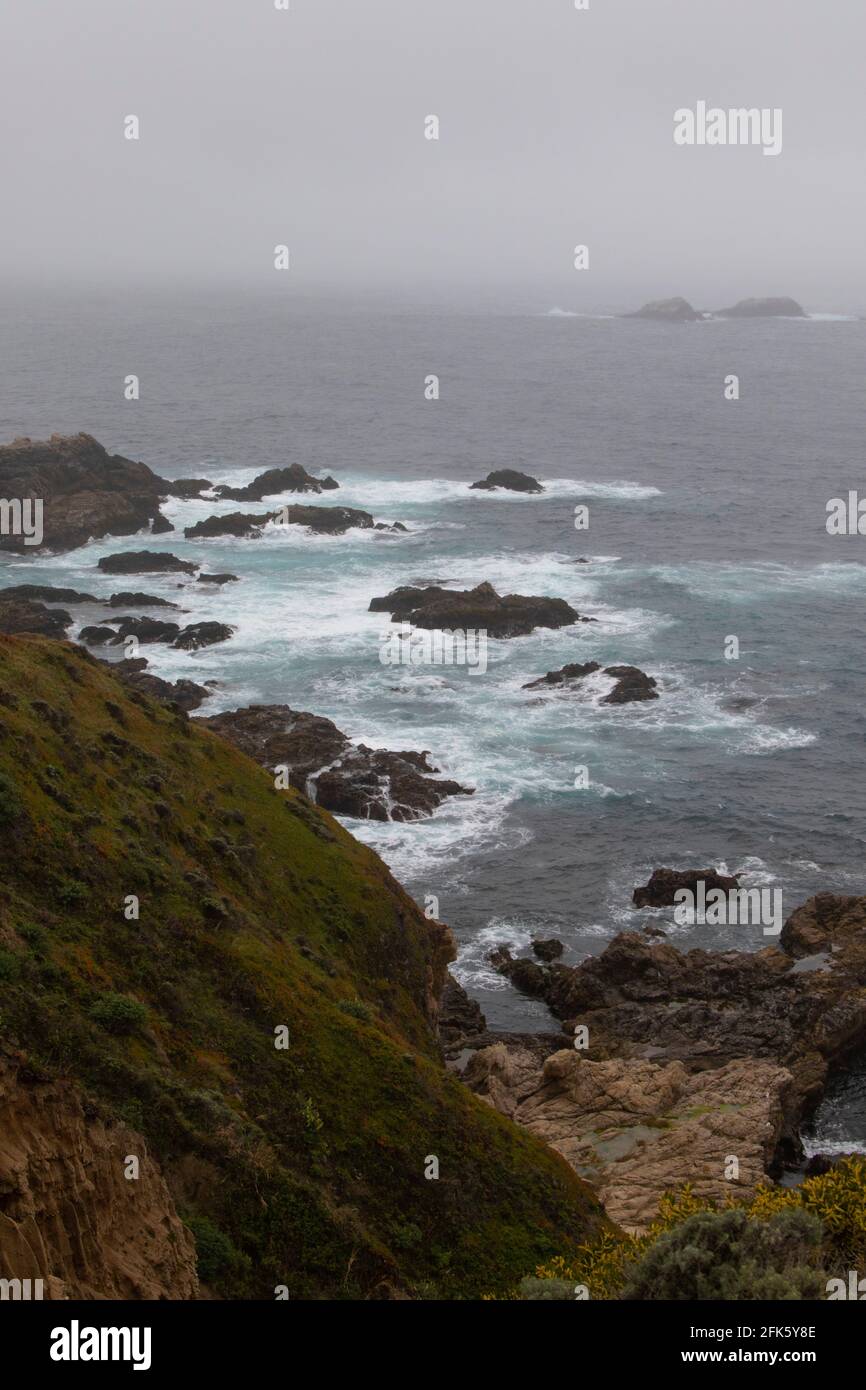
pixel 307 127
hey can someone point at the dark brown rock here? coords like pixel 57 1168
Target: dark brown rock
pixel 479 609
pixel 46 593
pixel 277 480
pixel 86 492
pixel 509 479
pixel 348 779
pixel 665 883
pixel 198 635
pixel 631 685
pixel 145 562
pixel 25 615
pixel 139 600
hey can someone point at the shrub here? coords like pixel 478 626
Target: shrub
pixel 69 893
pixel 216 1256
pixel 118 1013
pixel 725 1255
pixel 11 809
pixel 356 1008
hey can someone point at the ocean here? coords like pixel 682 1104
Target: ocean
pixel 706 521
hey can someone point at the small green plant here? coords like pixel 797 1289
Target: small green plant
pixel 10 966
pixel 118 1014
pixel 356 1008
pixel 11 809
pixel 312 1119
pixel 216 1256
pixel 70 893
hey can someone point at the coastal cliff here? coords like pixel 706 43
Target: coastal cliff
pixel 212 976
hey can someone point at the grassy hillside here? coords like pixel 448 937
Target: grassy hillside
pixel 302 1166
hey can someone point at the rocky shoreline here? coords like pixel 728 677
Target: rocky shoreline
pixel 672 1063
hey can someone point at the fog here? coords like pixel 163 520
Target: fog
pixel 261 127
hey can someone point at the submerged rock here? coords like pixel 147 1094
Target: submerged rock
pixel 348 779
pixel 86 492
pixel 218 579
pixel 510 480
pixel 479 609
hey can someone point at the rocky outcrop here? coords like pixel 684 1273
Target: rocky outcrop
pixel 638 1128
pixel 331 521
pixel 25 615
pixel 218 579
pixel 185 693
pixel 197 635
pixel 664 884
pixel 277 480
pixel 782 307
pixel 139 600
pixel 478 609
pixel 46 593
pixel 348 779
pixel 188 487
pixel 69 1215
pixel 145 562
pixel 149 630
pixel 676 310
pixel 788 1013
pixel 510 480
pixel 86 492
pixel 631 683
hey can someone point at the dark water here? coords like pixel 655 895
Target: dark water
pixel 707 519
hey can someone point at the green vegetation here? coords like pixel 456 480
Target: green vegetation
pixel 783 1244
pixel 257 913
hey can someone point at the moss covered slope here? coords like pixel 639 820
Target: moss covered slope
pixel 301 1166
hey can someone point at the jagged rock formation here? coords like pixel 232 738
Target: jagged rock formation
pixel 186 694
pixel 348 779
pixel 510 480
pixel 332 521
pixel 631 684
pixel 87 493
pixel 478 609
pixel 277 480
pixel 691 1058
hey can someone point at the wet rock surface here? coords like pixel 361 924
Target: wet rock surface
pixel 276 480
pixel 26 615
pixel 508 479
pixel 87 493
pixel 664 884
pixel 479 609
pixel 348 779
pixel 145 562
